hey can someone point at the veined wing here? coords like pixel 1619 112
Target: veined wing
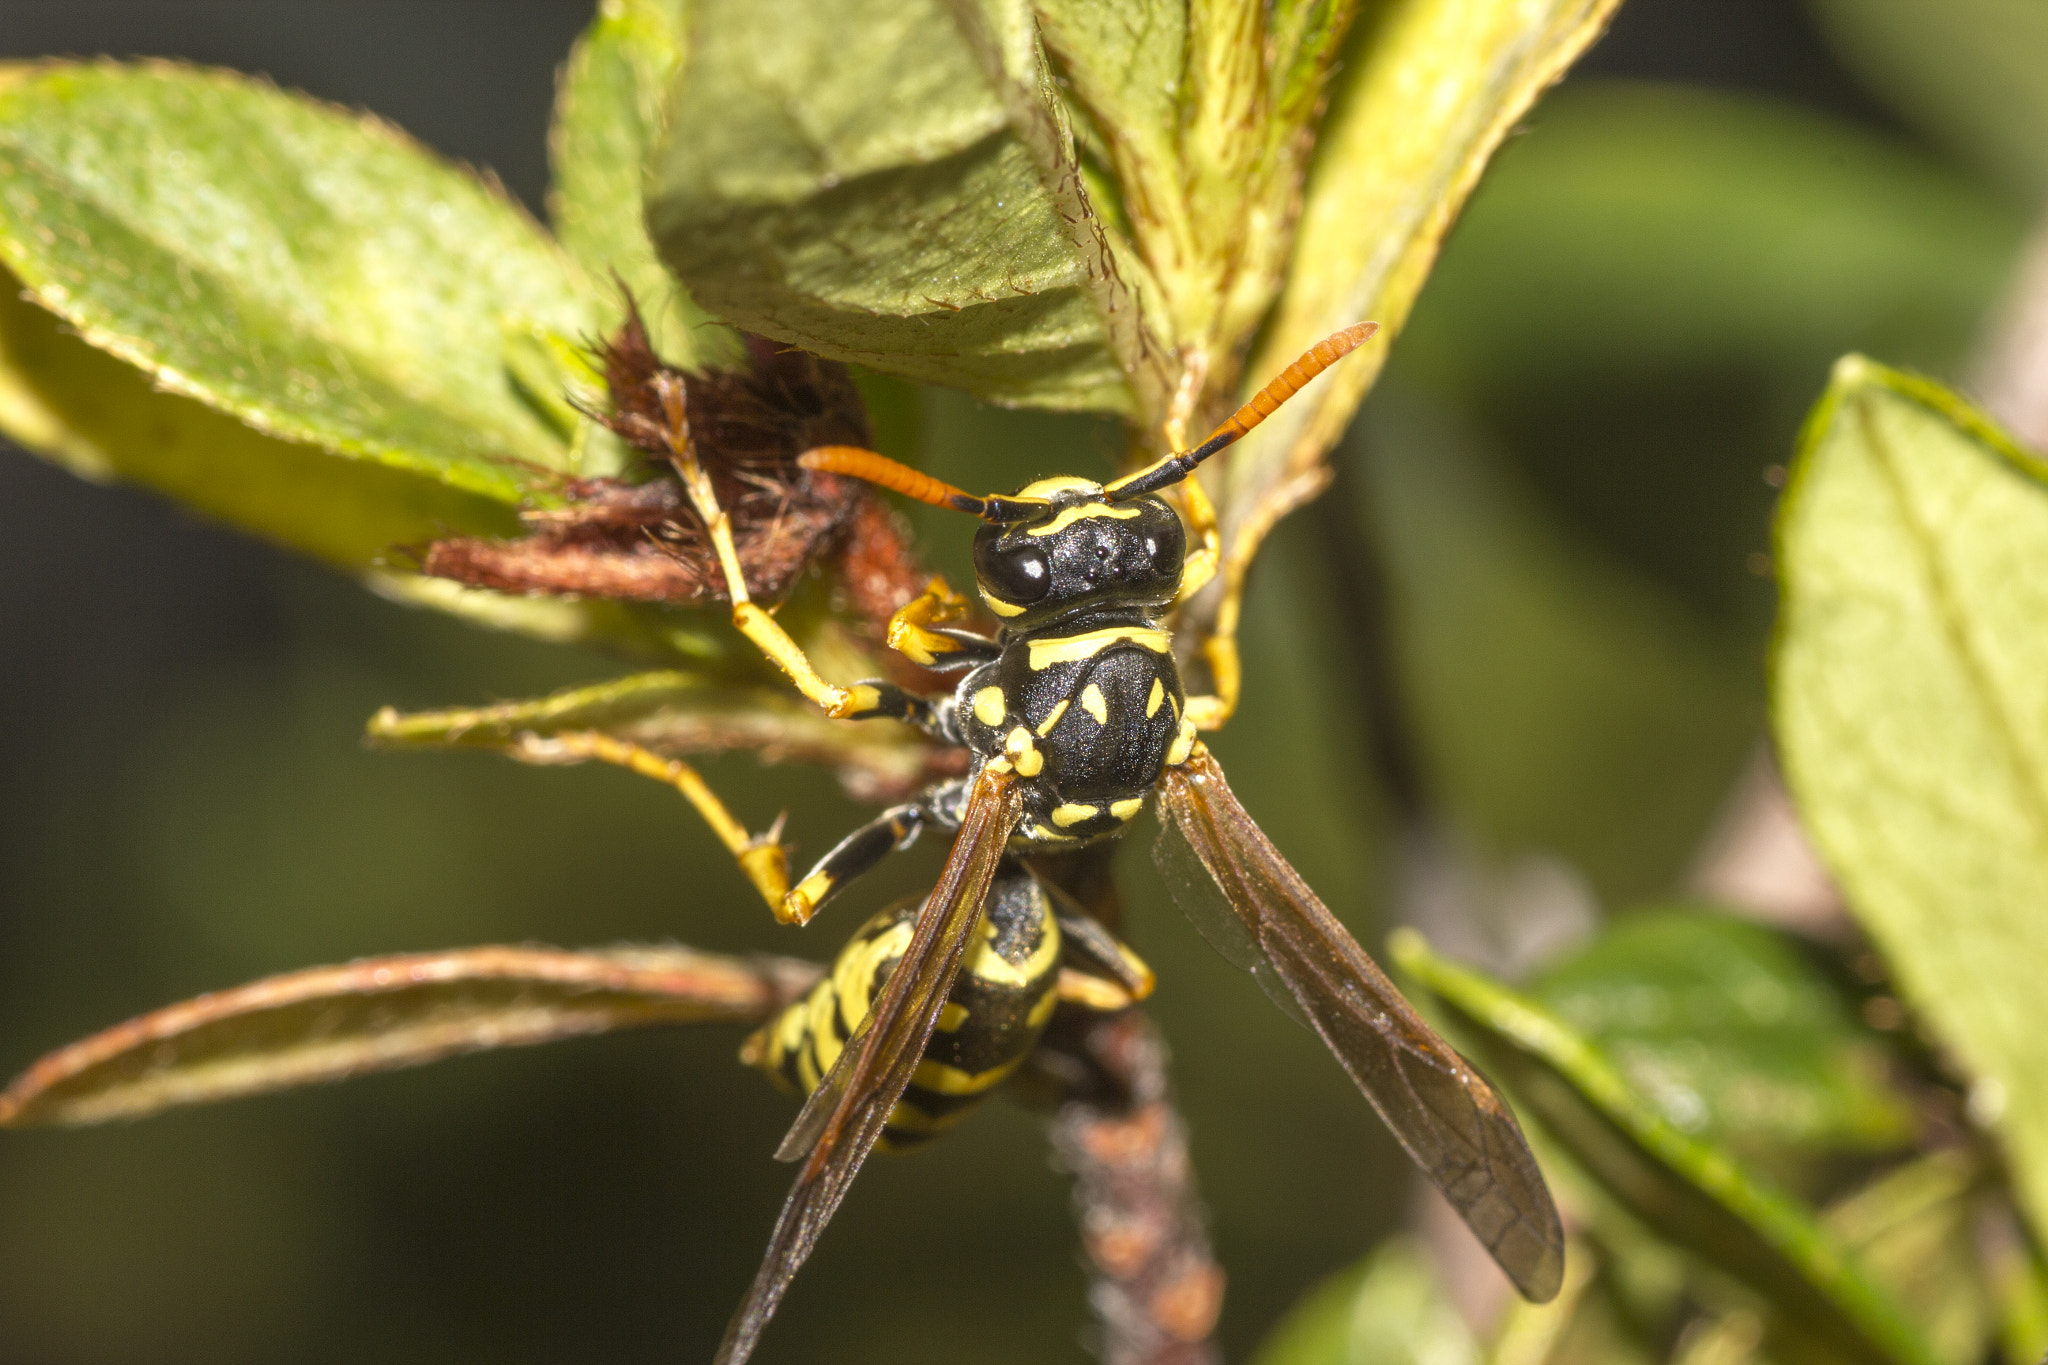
pixel 1447 1116
pixel 845 1115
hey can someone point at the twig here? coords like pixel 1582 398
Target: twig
pixel 1157 1287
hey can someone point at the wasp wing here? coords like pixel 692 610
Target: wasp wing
pixel 1448 1117
pixel 845 1115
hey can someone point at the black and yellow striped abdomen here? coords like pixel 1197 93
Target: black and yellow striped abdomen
pixel 990 1022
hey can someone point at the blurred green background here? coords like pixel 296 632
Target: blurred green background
pixel 1565 469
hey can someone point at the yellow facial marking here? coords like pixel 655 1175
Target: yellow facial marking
pixel 989 706
pixel 1021 751
pixel 1071 814
pixel 1183 745
pixel 1095 704
pixel 1061 483
pixel 1125 810
pixel 1045 726
pixel 1068 649
pixel 951 1017
pixel 1068 516
pixel 1156 700
pixel 998 605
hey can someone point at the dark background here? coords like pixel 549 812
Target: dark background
pixel 186 806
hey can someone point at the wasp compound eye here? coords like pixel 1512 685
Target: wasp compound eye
pixel 1019 574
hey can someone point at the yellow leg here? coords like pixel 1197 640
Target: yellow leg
pixel 760 856
pixel 908 628
pixel 1219 646
pixel 752 622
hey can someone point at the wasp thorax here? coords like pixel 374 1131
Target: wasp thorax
pixel 1082 554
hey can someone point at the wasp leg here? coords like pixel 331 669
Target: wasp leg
pixel 1100 972
pixel 1218 646
pixel 860 851
pixel 918 630
pixel 760 856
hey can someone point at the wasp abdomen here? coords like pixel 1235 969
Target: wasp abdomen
pixel 990 1022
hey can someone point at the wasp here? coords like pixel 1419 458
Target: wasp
pixel 1074 717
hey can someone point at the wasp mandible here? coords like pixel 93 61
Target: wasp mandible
pixel 1074 716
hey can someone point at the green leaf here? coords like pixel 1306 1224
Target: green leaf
pixel 1969 72
pixel 1697 1194
pixel 309 271
pixel 1911 707
pixel 1390 1310
pixel 100 419
pixel 1732 1034
pixel 380 1014
pixel 1414 120
pixel 607 116
pixel 891 182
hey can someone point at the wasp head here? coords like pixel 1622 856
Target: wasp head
pixel 1078 554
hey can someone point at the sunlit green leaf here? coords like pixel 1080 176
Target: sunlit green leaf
pixel 863 180
pixel 1413 121
pixel 380 1014
pixel 1697 1194
pixel 1911 701
pixel 1728 1031
pixel 1969 72
pixel 309 271
pixel 101 419
pixel 607 116
pixel 1390 1310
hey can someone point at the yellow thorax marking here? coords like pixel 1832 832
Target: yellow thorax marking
pixel 1059 709
pixel 1096 705
pixel 989 707
pixel 1067 649
pixel 1072 814
pixel 1128 808
pixel 1152 703
pixel 1068 516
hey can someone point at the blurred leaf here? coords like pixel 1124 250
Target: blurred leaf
pixel 307 270
pixel 1728 1031
pixel 1915 1229
pixel 1698 1195
pixel 1534 667
pixel 100 418
pixel 675 714
pixel 1969 72
pixel 890 182
pixel 1650 286
pixel 1390 1310
pixel 380 1014
pixel 1641 228
pixel 1414 119
pixel 607 116
pixel 1911 700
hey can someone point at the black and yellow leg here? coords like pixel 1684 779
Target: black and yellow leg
pixel 760 856
pixel 857 853
pixel 1097 970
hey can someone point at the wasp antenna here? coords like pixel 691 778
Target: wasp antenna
pixel 911 483
pixel 887 473
pixel 1263 404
